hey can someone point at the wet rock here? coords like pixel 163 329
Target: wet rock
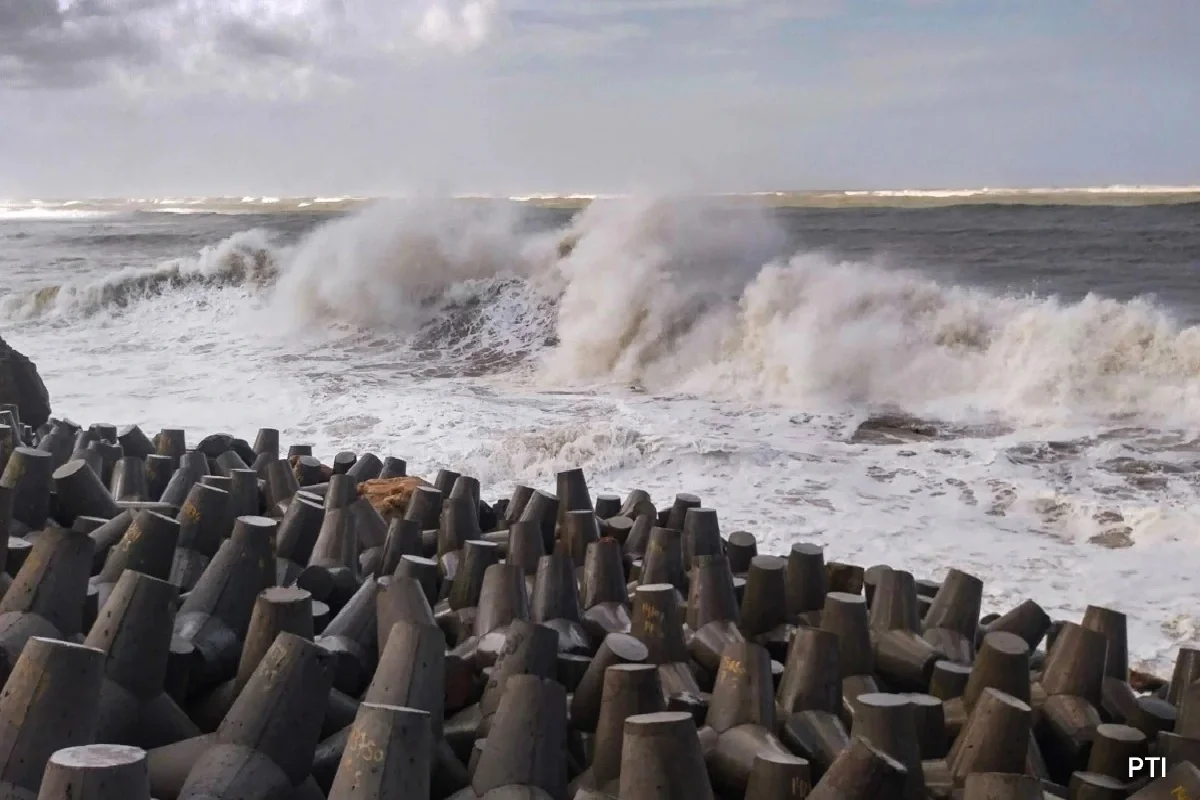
pixel 893 428
pixel 897 427
pixel 21 384
pixel 1114 538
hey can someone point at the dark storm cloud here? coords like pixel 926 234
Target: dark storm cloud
pixel 41 45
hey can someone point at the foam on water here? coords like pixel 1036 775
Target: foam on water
pixel 42 213
pixel 680 346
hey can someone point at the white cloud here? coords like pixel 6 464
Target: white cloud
pixel 229 45
pixel 458 26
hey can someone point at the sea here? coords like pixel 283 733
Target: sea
pixel 1007 382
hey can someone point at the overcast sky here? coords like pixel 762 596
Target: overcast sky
pixel 276 97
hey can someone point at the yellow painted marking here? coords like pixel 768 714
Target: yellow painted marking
pixel 732 666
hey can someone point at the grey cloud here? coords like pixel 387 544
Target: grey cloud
pixel 40 45
pixel 221 44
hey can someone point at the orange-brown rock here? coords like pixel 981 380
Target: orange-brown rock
pixel 390 496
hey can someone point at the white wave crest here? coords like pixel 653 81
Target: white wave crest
pixel 248 257
pixel 390 264
pixel 696 297
pixel 640 307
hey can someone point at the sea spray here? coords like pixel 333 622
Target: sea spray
pixel 390 265
pixel 678 296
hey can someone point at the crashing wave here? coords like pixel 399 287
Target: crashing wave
pixel 685 296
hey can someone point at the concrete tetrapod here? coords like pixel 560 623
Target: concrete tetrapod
pixel 888 721
pixel 134 632
pixel 481 632
pixel 712 611
pixel 572 491
pixel 779 777
pixel 995 739
pixel 216 614
pixel 524 751
pixel 658 623
pixel 542 509
pixel 387 755
pixel 148 546
pixel 296 536
pixel 676 515
pixel 742 713
pixel 129 480
pixel 265 744
pixel 580 529
pixel 1073 682
pixel 281 486
pixel 134 442
pixel 607 505
pixel 741 549
pixel 845 615
pixel 244 496
pixel 158 475
pixel 367 467
pixel 1002 786
pixel 902 658
pixel 96 772
pixel 1028 620
pixel 806 583
pixel 204 523
pixel 369 525
pixel 1182 782
pixel 276 610
pixel 47 595
pixel 403 539
pixel 49 703
pixel 29 474
pixel 952 620
pixel 628 690
pixel 411 674
pixel 352 637
pixel 171 442
pixel 555 602
pixel 529 649
pixel 587 701
pixel 80 492
pixel 332 572
pixel 661 759
pixel 862 772
pixel 182 479
pixel 701 535
pixel 663 562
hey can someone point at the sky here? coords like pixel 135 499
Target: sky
pixel 144 98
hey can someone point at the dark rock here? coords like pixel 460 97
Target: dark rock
pixel 212 446
pixel 21 384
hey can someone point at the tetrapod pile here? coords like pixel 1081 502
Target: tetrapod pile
pixel 229 621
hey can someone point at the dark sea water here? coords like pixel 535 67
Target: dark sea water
pixel 1013 389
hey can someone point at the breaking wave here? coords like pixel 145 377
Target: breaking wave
pixel 244 259
pixel 685 296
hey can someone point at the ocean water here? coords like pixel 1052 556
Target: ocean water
pixel 1012 388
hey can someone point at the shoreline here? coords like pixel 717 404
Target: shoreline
pixel 1117 197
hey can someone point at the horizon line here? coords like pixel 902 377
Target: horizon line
pixel 248 197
